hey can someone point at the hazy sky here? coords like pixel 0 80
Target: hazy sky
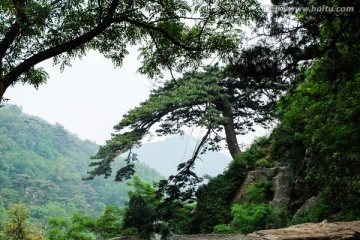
pixel 90 97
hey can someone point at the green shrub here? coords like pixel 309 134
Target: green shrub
pixel 213 199
pixel 320 212
pixel 262 142
pixel 260 191
pixel 263 163
pixel 250 217
pixel 223 229
pixel 129 232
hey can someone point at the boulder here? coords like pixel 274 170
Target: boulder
pixel 313 231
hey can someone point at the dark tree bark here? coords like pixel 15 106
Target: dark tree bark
pixel 230 134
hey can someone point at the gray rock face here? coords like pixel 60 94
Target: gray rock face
pixel 281 177
pixel 252 176
pixel 313 231
pixel 282 187
pixel 307 206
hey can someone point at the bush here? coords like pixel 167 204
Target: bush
pixel 213 199
pixel 260 191
pixel 18 225
pixel 320 212
pixel 250 217
pixel 263 163
pixel 223 229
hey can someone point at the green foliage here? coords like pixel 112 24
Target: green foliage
pixel 223 229
pixel 216 98
pixel 140 216
pixel 17 227
pixel 169 35
pixel 177 218
pixel 42 165
pixel 109 223
pixel 320 212
pixel 329 98
pixel 262 163
pixel 146 213
pixel 250 217
pixel 143 216
pixel 260 191
pixel 213 199
pixel 258 153
pixel 321 114
pixel 2 213
pixel 85 227
pixel 286 145
pixel 77 228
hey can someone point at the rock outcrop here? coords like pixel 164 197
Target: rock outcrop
pixel 281 178
pixel 282 187
pixel 241 195
pixel 313 231
pixel 307 206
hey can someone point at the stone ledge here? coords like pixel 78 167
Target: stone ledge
pixel 312 231
pixel 212 236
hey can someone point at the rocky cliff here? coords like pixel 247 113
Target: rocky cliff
pixel 281 178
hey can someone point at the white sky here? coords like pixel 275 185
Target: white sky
pixel 90 97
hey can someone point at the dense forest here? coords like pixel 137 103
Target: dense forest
pixel 42 166
pixel 293 65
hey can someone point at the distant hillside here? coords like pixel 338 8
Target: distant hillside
pixel 165 156
pixel 42 166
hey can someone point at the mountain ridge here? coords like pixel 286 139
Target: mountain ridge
pixel 42 166
pixel 166 155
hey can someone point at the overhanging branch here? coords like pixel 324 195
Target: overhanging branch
pixel 150 27
pixel 183 184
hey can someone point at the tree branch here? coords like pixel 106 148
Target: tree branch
pixel 160 30
pixel 9 38
pixel 12 76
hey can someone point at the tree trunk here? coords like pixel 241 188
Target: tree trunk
pixel 230 134
pixel 2 90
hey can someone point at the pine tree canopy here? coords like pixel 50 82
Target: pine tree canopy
pixel 218 99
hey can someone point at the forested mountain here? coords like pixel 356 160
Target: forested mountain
pixel 42 166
